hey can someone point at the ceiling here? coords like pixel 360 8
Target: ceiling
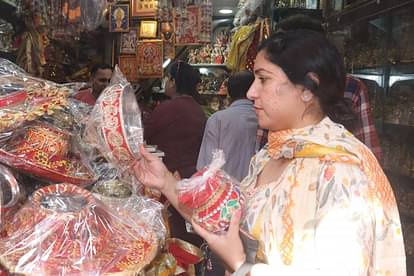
pixel 222 4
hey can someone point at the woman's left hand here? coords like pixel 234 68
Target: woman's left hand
pixel 228 246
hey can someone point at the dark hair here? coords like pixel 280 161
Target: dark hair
pixel 239 83
pixel 186 78
pixel 302 52
pixel 99 66
pixel 301 21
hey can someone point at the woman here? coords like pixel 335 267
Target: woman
pixel 176 126
pixel 316 199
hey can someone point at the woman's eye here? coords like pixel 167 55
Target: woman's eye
pixel 262 79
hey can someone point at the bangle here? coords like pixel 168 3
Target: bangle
pixel 243 270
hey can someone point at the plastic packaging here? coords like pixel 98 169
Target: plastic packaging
pixel 212 194
pixel 92 13
pixel 246 12
pixel 10 194
pixel 9 68
pixel 45 151
pixel 123 199
pixel 24 98
pixel 114 127
pixel 64 230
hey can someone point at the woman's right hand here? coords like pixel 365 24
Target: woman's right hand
pixel 152 173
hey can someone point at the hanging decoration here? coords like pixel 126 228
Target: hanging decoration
pixel 129 42
pixel 119 18
pixel 144 8
pixel 150 59
pixel 148 29
pixel 128 66
pixel 187 25
pixel 206 26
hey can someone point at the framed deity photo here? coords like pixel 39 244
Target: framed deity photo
pixel 150 58
pixel 148 29
pixel 129 42
pixel 128 66
pixel 144 8
pixel 187 25
pixel 119 18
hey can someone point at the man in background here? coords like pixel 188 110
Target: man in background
pixel 100 77
pixel 232 130
pixel 355 89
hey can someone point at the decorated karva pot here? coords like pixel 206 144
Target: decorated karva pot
pixel 44 151
pixel 64 230
pixel 214 202
pixel 119 124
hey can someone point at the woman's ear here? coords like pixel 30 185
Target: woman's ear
pixel 306 95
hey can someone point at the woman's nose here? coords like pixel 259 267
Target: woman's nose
pixel 252 92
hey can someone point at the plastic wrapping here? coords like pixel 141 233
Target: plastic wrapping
pixel 64 230
pixel 45 151
pixel 10 194
pixel 24 98
pixel 9 68
pixel 114 127
pixel 212 194
pixel 246 12
pixel 92 13
pixel 123 199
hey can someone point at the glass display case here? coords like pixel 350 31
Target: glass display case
pixel 380 50
pixel 213 88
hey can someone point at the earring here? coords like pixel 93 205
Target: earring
pixel 306 97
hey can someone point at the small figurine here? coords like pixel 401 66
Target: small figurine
pixel 192 57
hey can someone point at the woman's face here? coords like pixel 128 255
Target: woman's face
pixel 277 101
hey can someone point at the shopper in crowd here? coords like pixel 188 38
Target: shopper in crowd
pixel 176 126
pixel 232 130
pixel 316 199
pixel 355 89
pixel 100 77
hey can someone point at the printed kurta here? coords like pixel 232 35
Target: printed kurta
pixel 331 212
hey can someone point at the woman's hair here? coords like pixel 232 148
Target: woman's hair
pixel 186 78
pixel 300 54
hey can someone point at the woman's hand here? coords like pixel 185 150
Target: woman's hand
pixel 228 246
pixel 152 173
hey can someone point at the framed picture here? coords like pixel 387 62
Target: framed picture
pixel 119 18
pixel 128 66
pixel 129 42
pixel 187 25
pixel 148 29
pixel 150 58
pixel 144 8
